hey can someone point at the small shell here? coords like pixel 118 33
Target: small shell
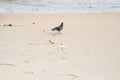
pixel 61 46
pixel 10 25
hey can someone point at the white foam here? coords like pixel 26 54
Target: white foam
pixel 58 6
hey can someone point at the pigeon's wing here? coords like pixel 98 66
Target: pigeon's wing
pixel 61 27
pixel 56 28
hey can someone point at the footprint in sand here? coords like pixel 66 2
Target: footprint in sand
pixel 64 58
pixel 70 76
pixel 7 64
pixel 29 72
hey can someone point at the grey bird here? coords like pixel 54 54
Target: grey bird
pixel 58 28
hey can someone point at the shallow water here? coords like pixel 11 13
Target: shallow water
pixel 59 6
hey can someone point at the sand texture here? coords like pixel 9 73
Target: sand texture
pixel 29 50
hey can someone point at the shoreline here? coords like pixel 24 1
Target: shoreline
pixel 65 13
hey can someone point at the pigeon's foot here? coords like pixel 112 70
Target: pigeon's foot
pixel 59 32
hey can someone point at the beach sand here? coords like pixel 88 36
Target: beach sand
pixel 92 47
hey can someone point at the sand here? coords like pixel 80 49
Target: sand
pixel 91 52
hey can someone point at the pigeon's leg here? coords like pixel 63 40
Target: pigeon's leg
pixel 59 32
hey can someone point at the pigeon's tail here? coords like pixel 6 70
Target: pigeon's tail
pixel 53 29
pixel 56 28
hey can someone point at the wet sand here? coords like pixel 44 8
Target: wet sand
pixel 92 47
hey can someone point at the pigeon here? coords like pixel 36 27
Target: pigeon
pixel 58 28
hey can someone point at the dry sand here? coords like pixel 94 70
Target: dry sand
pixel 92 49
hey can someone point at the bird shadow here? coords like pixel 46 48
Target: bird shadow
pixel 55 34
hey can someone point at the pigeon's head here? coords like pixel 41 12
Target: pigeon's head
pixel 61 23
